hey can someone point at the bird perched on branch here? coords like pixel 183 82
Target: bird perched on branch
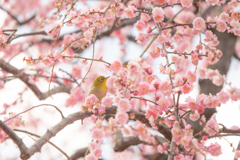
pixel 99 87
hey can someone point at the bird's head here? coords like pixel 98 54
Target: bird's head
pixel 100 82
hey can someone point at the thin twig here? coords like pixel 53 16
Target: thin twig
pixel 33 108
pixel 51 79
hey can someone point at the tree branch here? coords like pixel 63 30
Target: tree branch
pixel 121 143
pixel 41 96
pixel 79 153
pixel 36 147
pixel 15 18
pixel 23 149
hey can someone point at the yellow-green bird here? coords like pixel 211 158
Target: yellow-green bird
pixel 99 87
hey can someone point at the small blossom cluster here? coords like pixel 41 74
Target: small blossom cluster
pixel 213 75
pixel 76 96
pixel 95 147
pixel 12 123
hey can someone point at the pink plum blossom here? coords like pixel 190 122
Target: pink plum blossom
pixel 124 105
pixel 224 16
pixel 186 3
pixel 191 77
pixel 162 148
pixel 129 13
pixel 140 25
pixel 97 152
pixel 212 127
pixel 76 72
pixel 97 134
pixel 88 36
pixel 161 39
pixel 158 14
pixel 71 101
pixel 163 104
pixel 115 66
pixel 47 61
pixel 143 88
pixel 91 100
pixel 194 116
pixel 107 101
pixel 122 118
pixel 223 97
pixel 141 39
pixel 214 149
pixel 145 17
pixel 199 23
pixel 221 26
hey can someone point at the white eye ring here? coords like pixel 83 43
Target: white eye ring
pixel 101 79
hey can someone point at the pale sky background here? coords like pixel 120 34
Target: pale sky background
pixel 76 136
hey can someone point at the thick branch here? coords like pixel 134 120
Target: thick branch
pixel 23 149
pixel 79 153
pixel 41 96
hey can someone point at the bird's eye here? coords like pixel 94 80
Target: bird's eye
pixel 101 79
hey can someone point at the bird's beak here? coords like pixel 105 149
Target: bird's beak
pixel 107 77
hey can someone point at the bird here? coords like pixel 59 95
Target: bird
pixel 99 87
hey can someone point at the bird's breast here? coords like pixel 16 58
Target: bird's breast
pixel 98 92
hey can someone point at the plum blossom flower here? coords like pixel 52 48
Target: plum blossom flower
pixel 91 100
pixel 191 77
pixel 140 25
pixel 194 116
pixel 71 101
pixel 97 152
pixel 122 118
pixel 224 16
pixel 221 26
pixel 141 39
pixel 76 72
pixel 223 97
pixel 158 14
pixel 161 39
pixel 145 17
pixel 234 94
pixel 186 88
pixel 191 104
pixel 186 3
pixel 199 23
pixel 97 134
pixel 214 149
pixel 124 105
pixel 143 88
pixel 88 36
pixel 107 101
pixel 47 61
pixel 129 12
pixel 212 126
pixel 155 85
pixel 115 66
pixel 162 148
pixel 57 55
pixel 163 104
